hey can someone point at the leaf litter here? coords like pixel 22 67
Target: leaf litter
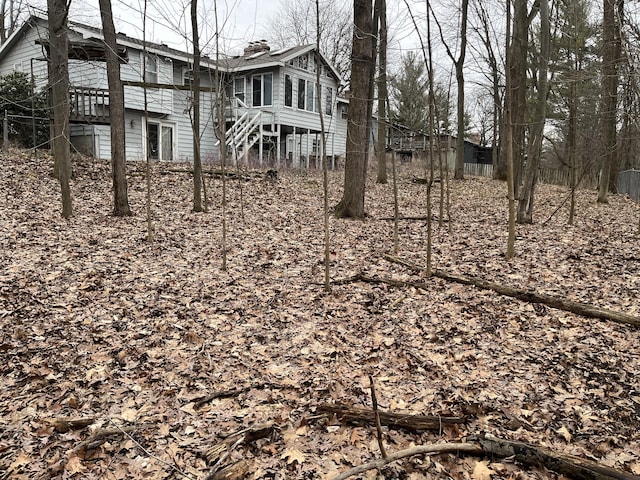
pixel 99 323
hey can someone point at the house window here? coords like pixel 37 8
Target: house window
pixel 238 89
pixel 262 90
pixel 187 77
pixel 301 93
pixel 328 101
pixel 160 141
pixel 151 69
pixel 344 113
pixel 312 103
pixel 267 80
pixel 303 62
pixel 288 91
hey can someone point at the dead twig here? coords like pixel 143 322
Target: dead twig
pixel 374 401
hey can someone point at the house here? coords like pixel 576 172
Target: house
pixel 272 110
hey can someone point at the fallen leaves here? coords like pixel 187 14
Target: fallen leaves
pixel 97 323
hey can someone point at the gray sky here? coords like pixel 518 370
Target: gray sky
pixel 167 20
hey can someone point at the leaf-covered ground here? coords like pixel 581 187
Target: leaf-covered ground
pixel 98 322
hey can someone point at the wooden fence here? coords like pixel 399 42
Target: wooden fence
pixel 629 183
pixel 551 176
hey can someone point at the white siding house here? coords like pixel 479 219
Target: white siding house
pixel 272 109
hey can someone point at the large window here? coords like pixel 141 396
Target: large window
pixel 160 141
pixel 238 89
pixel 328 101
pixel 307 98
pixel 262 90
pixel 312 102
pixel 151 69
pixel 288 91
pixel 301 93
pixel 187 77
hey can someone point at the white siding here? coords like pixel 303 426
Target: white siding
pixel 24 49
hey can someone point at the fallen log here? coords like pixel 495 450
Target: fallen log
pixel 366 416
pixel 533 455
pixel 420 218
pixel 552 301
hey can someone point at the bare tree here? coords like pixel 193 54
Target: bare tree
pixel 58 11
pixel 220 132
pixel 517 70
pixel 509 72
pixel 486 33
pixel 459 66
pixel 146 122
pixel 116 113
pixel 10 13
pixel 610 55
pixel 195 111
pixel 362 64
pixel 525 205
pixel 325 164
pixel 382 94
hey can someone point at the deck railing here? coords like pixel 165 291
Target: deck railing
pixel 89 105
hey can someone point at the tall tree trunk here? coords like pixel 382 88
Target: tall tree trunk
pixel 508 91
pixel 58 11
pixel 325 164
pixel 355 175
pixel 116 113
pixel 459 168
pixel 518 72
pixel 382 95
pixel 609 95
pixel 525 205
pixel 197 162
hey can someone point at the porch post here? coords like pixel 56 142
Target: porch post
pixel 294 162
pixel 260 147
pixel 278 131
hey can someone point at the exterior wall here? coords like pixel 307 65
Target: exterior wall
pixel 159 100
pixel 18 58
pixel 208 148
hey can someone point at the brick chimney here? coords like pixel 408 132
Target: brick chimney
pixel 255 47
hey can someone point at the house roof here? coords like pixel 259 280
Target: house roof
pixel 271 58
pixel 239 63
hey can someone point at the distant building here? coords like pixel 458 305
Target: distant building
pixel 272 110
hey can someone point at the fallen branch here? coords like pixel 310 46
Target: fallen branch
pixel 235 471
pixel 471 448
pixel 366 416
pixel 218 454
pixel 63 425
pixel 521 294
pixel 244 436
pixel 415 219
pixel 101 435
pixel 234 393
pixel 569 465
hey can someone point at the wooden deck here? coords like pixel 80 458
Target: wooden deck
pixel 89 105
